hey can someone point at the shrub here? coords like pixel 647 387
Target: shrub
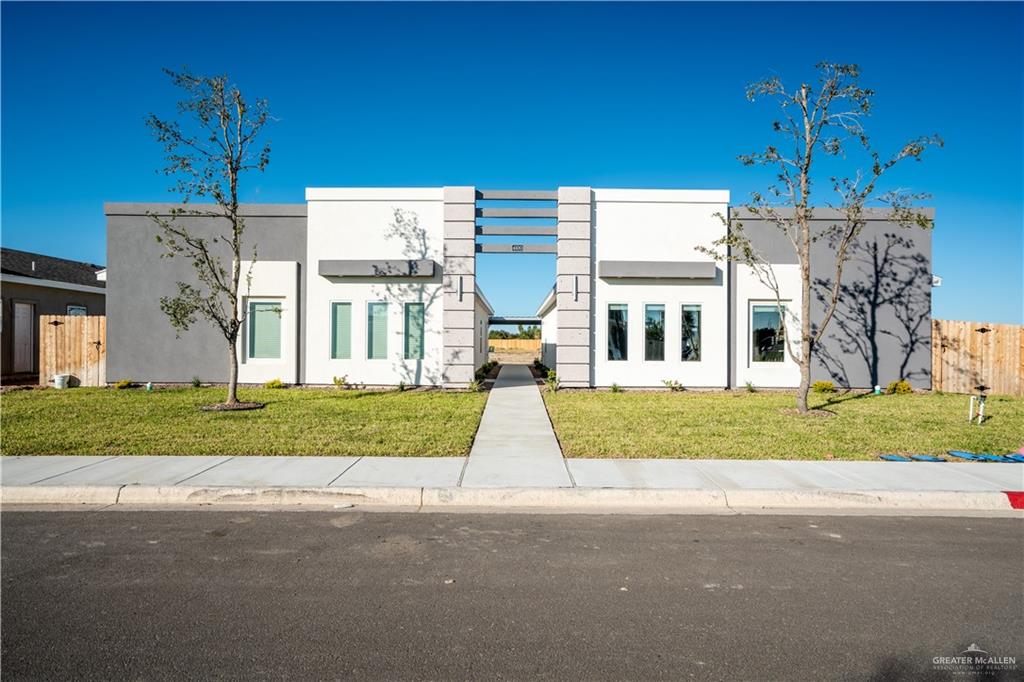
pixel 552 381
pixel 823 387
pixel 402 387
pixel 124 383
pixel 901 387
pixel 341 382
pixel 750 387
pixel 474 386
pixel 484 370
pixel 196 382
pixel 274 383
pixel 672 385
pixel 615 388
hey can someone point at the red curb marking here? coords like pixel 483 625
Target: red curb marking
pixel 1016 499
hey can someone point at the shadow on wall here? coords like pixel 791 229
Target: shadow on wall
pixel 883 314
pixel 405 226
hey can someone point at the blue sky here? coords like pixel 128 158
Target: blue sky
pixel 516 96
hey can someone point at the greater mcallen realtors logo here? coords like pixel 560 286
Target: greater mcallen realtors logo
pixel 975 661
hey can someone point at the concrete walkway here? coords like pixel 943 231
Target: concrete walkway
pixel 515 445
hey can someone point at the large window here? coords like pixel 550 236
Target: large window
pixel 618 326
pixel 341 331
pixel 654 332
pixel 691 332
pixel 767 333
pixel 264 329
pixel 413 331
pixel 377 331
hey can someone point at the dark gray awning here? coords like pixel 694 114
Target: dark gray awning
pixel 637 269
pixel 377 268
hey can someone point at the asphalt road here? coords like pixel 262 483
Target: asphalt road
pixel 320 595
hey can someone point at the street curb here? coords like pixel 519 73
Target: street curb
pixel 497 499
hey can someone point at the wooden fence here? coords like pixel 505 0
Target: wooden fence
pixel 963 357
pixel 514 345
pixel 75 345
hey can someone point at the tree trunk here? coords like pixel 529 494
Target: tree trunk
pixel 805 380
pixel 232 374
pixel 805 325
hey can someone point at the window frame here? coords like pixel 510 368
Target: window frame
pixel 664 330
pixel 700 332
pixel 351 331
pixel 369 326
pixel 751 303
pixel 405 330
pixel 279 302
pixel 607 331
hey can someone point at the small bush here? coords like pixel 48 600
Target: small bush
pixel 672 385
pixel 615 388
pixel 124 383
pixel 552 381
pixel 274 383
pixel 484 370
pixel 341 382
pixel 474 386
pixel 823 387
pixel 901 387
pixel 402 387
pixel 196 382
pixel 750 387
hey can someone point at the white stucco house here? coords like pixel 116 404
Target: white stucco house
pixel 379 286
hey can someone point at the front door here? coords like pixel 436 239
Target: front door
pixel 24 337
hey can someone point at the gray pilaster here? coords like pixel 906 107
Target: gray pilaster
pixel 573 288
pixel 459 282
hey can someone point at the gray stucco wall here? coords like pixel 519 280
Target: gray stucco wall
pixel 882 327
pixel 141 344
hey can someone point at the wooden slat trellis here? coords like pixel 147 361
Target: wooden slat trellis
pixel 75 345
pixel 963 357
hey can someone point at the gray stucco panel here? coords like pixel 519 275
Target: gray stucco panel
pixel 882 326
pixel 141 344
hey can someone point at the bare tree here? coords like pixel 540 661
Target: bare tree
pixel 819 122
pixel 207 151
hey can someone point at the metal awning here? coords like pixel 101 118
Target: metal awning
pixel 635 269
pixel 377 268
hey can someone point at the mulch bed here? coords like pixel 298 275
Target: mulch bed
pixel 237 407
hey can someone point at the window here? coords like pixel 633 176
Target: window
pixel 767 333
pixel 691 333
pixel 77 310
pixel 654 332
pixel 413 331
pixel 618 326
pixel 341 331
pixel 264 329
pixel 376 331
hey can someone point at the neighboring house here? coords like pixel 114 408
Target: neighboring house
pixel 379 285
pixel 31 285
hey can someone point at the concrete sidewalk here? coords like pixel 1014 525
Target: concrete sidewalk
pixel 515 445
pixel 704 486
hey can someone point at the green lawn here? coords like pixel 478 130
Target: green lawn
pixel 739 425
pixel 296 421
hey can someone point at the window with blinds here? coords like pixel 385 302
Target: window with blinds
pixel 264 329
pixel 414 331
pixel 341 331
pixel 377 331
